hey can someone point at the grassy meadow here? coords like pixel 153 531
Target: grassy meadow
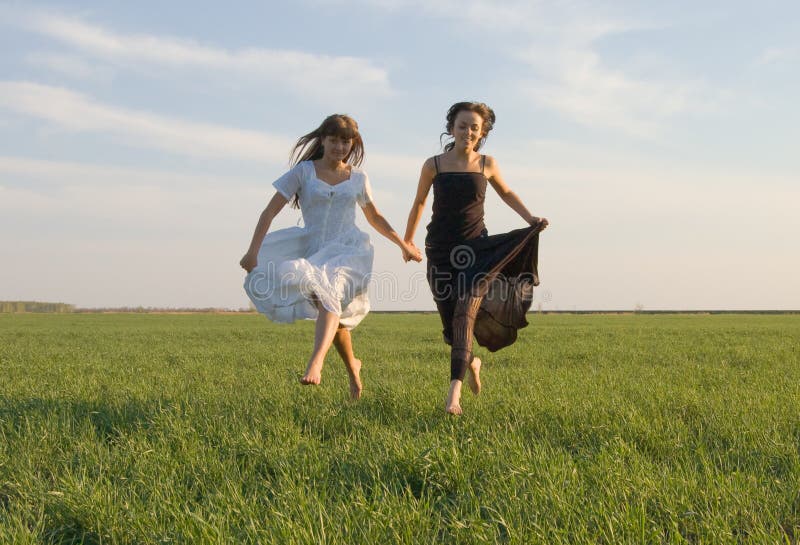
pixel 607 429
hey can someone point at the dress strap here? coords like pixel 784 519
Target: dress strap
pixel 436 163
pixel 483 162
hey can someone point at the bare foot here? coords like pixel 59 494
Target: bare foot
pixel 475 375
pixel 310 380
pixel 313 375
pixel 453 403
pixel 355 380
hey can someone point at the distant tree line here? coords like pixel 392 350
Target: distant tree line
pixel 35 306
pixel 61 308
pixel 158 310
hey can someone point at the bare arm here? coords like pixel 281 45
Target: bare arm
pixel 276 204
pixel 509 197
pixel 418 206
pixel 380 224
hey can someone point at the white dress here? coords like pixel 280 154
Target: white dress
pixel 329 258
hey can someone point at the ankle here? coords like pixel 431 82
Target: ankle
pixel 455 388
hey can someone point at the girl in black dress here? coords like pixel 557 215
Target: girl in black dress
pixel 482 285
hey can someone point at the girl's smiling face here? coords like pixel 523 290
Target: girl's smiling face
pixel 336 148
pixel 467 130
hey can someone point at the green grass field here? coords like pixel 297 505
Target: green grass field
pixel 591 429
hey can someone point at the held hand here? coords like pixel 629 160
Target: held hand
pixel 406 253
pixel 417 253
pixel 411 252
pixel 249 262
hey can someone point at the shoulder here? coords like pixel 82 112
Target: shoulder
pixel 489 161
pixel 429 166
pixel 301 168
pixel 358 172
pixel 491 168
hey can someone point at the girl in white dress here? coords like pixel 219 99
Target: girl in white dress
pixel 320 271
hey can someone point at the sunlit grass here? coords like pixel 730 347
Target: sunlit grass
pixel 590 429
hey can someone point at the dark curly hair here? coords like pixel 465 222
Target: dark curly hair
pixel 309 146
pixel 486 113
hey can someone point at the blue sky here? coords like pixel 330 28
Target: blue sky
pixel 138 141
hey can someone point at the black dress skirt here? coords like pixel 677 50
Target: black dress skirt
pixel 482 285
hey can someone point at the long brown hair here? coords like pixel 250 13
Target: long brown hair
pixel 309 146
pixel 486 113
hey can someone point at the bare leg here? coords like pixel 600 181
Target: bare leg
pixel 461 357
pixel 474 376
pixel 344 345
pixel 323 337
pixel 453 403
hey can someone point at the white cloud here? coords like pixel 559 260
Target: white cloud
pixel 558 42
pixel 774 55
pixel 76 112
pixel 573 80
pixel 346 75
pixel 73 66
pixel 506 15
pixel 85 192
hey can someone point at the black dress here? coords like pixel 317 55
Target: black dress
pixel 482 285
